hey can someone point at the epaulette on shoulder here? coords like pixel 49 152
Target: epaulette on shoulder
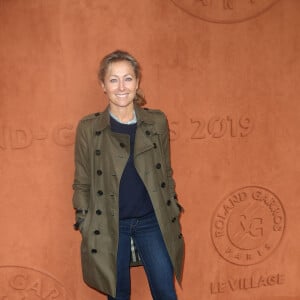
pixel 91 116
pixel 159 118
pixel 151 110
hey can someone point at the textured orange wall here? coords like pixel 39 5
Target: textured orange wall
pixel 226 72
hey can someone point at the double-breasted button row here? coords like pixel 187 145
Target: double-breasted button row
pixel 158 166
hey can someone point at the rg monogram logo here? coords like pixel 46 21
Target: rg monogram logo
pixel 253 227
pixel 248 225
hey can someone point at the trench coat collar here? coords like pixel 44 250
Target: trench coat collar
pixel 142 116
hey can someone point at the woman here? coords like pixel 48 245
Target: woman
pixel 126 206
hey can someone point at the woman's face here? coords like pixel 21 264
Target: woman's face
pixel 120 84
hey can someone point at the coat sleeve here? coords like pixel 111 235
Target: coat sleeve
pixel 165 141
pixel 82 180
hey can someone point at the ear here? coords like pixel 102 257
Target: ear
pixel 103 86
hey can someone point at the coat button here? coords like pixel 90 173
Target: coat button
pixel 99 172
pixel 98 152
pixel 122 145
pixel 98 212
pixel 97 232
pixel 94 251
pixel 100 193
pixel 147 132
pixel 174 219
pixel 163 184
pixel 98 133
pixel 180 235
pixel 158 166
pixel 181 209
pixel 169 202
pixel 154 145
pixel 97 114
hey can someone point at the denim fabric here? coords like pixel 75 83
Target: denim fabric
pixel 148 240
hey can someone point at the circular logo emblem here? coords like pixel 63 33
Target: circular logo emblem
pixel 248 225
pixel 224 11
pixel 26 283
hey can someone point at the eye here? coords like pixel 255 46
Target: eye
pixel 128 79
pixel 113 80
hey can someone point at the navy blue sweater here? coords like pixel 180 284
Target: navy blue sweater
pixel 134 200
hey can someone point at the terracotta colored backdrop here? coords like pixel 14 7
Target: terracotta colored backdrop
pixel 226 72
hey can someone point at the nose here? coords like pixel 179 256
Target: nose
pixel 121 85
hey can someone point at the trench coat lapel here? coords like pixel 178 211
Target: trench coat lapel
pixel 143 132
pixel 143 142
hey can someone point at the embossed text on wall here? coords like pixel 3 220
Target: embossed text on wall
pixel 225 11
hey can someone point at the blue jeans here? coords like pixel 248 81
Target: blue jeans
pixel 149 242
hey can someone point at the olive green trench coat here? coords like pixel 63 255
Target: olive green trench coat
pixel 100 158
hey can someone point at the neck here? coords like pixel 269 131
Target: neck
pixel 124 114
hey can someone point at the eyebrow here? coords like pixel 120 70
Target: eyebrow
pixel 122 75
